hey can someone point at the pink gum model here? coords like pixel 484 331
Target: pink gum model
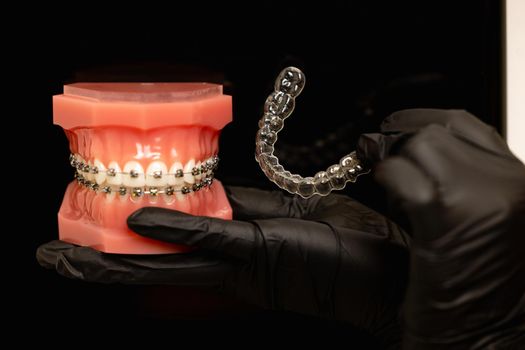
pixel 135 145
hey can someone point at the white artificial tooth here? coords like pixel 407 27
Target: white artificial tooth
pixel 180 196
pixel 114 168
pixel 209 162
pixel 100 175
pixel 89 175
pixel 123 197
pixel 169 195
pixel 134 175
pixel 198 166
pixel 172 179
pixel 80 160
pixel 136 194
pixel 110 196
pixel 153 199
pixel 188 177
pixel 154 170
pixel 168 199
pixel 136 199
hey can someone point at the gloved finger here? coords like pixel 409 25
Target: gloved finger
pixel 251 203
pixel 438 154
pixel 400 126
pixel 459 122
pixel 405 181
pixel 413 120
pixel 46 254
pixel 230 237
pixel 374 147
pixel 187 269
pixel 414 192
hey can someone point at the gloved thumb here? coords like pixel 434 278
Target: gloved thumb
pixel 374 147
pixel 234 238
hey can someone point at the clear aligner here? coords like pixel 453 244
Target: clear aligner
pixel 279 106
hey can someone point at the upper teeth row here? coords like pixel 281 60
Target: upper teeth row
pixel 133 175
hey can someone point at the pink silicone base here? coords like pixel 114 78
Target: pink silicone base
pixel 107 231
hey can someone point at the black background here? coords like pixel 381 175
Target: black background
pixel 363 60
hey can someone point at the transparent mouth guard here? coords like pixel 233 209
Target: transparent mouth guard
pixel 279 106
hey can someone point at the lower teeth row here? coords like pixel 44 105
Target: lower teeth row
pixel 141 191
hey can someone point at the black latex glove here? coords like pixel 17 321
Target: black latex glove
pixel 326 256
pixel 464 193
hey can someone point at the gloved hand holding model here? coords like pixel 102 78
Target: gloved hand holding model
pixel 328 256
pixel 456 180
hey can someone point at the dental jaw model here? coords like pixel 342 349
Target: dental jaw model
pixel 135 145
pixel 279 106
